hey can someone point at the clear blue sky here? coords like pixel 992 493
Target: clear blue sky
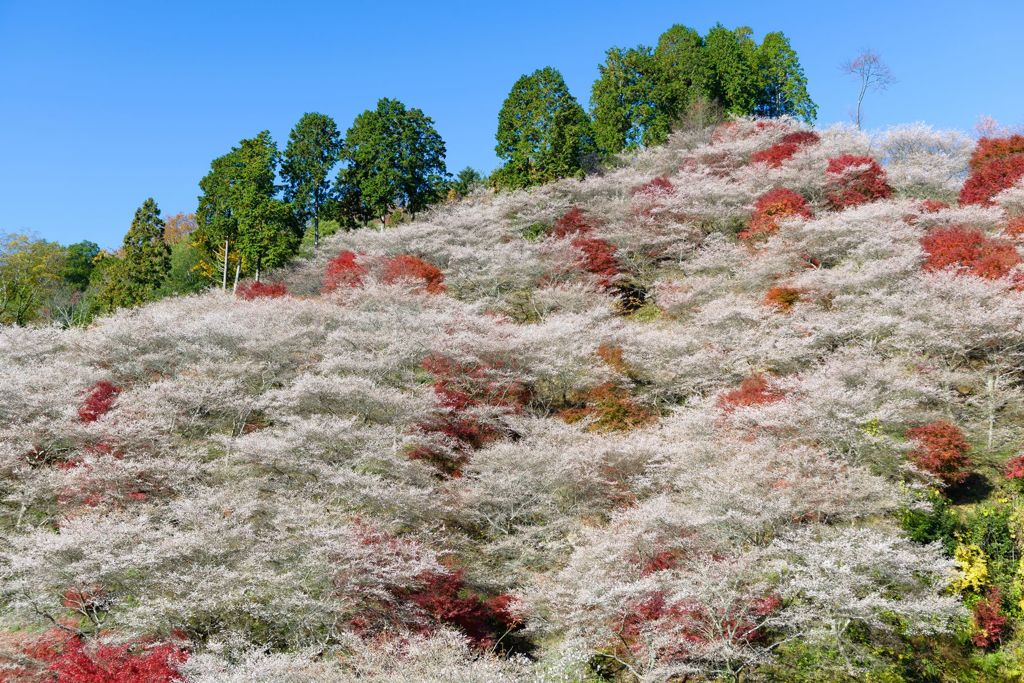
pixel 103 104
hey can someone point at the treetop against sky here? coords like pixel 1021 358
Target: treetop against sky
pixel 117 102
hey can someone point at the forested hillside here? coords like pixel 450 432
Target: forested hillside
pixel 746 406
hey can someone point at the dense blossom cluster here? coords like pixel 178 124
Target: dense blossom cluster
pixel 453 453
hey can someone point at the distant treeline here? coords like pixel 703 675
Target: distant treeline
pixel 260 206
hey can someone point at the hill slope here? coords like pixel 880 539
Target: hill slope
pixel 635 433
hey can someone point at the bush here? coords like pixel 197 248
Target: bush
pixel 753 391
pixel 98 401
pixel 775 155
pixel 988 620
pixel 117 663
pixel 447 599
pixel 933 205
pixel 610 408
pixel 261 290
pixel 655 187
pixel 782 298
pixel 1014 468
pixel 598 258
pixel 854 180
pixel 1015 228
pixel 970 251
pixel 772 207
pixel 342 271
pixel 991 179
pixel 801 137
pixel 942 450
pixel 991 149
pixel 572 223
pixel 406 267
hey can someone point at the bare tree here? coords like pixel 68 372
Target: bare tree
pixel 874 74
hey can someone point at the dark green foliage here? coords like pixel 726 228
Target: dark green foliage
pixel 467 180
pixel 145 261
pixel 933 521
pixel 625 102
pixel 543 133
pixel 185 275
pixel 783 85
pixel 641 94
pixel 393 158
pixel 78 263
pixel 313 149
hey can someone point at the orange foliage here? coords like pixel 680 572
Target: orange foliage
pixel 772 207
pixel 407 267
pixel 970 251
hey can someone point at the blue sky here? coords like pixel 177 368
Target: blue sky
pixel 104 104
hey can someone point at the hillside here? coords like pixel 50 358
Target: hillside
pixel 666 423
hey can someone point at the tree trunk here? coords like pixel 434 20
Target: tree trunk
pixel 238 271
pixel 224 286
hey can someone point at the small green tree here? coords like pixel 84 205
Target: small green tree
pixel 145 260
pixel 30 273
pixel 782 83
pixel 216 232
pixel 185 275
pixel 79 262
pixel 467 180
pixel 314 146
pixel 543 132
pixel 624 102
pixel 393 158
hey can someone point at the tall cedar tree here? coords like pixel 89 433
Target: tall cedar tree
pixel 239 220
pixel 392 158
pixel 268 234
pixel 314 146
pixel 145 261
pixel 732 56
pixel 543 132
pixel 783 85
pixel 683 71
pixel 624 102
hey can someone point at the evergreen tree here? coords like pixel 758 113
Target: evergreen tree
pixel 467 180
pixel 393 158
pixel 543 132
pixel 313 149
pixel 79 262
pixel 782 83
pixel 683 73
pixel 732 61
pixel 145 260
pixel 268 234
pixel 624 102
pixel 240 222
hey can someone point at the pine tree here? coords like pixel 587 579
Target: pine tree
pixel 145 260
pixel 543 132
pixel 313 149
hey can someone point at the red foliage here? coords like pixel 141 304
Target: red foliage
pixel 261 290
pixel 855 180
pixel 989 620
pixel 989 180
pixel 753 391
pixel 991 149
pixel 942 450
pixel 933 205
pixel 446 598
pixel 772 207
pixel 1015 228
pixel 666 559
pixel 598 259
pixel 408 267
pixel 572 223
pixel 782 298
pixel 1014 468
pixel 460 387
pixel 342 271
pixel 776 154
pixel 970 251
pixel 98 401
pixel 118 663
pixel 693 623
pixel 801 137
pixel 655 187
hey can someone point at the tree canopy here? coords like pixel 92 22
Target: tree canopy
pixel 392 158
pixel 313 149
pixel 145 260
pixel 543 132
